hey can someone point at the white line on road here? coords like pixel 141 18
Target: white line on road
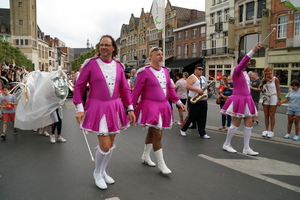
pixel 259 167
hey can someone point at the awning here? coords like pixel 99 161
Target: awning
pixel 181 63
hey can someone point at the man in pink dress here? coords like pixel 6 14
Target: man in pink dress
pixel 154 88
pixel 240 104
pixel 103 114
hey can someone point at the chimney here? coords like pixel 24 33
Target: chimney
pixel 193 14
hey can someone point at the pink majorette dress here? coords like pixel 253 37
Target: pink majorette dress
pixel 154 87
pixel 104 111
pixel 240 103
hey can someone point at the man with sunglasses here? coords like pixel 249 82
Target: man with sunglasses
pixel 198 111
pixel 154 87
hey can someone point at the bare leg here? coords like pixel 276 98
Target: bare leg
pixel 297 127
pixel 272 117
pixel 290 124
pixel 267 116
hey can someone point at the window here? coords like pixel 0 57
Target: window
pixel 21 42
pixel 213 43
pixel 297 25
pixel 241 13
pixel 17 42
pixel 261 6
pixel 282 26
pixel 202 47
pixel 169 32
pixel 250 11
pixel 20 22
pixel 179 37
pixel 20 4
pixel 227 15
pixel 246 44
pixel 213 2
pixel 194 50
pixel 225 39
pixel 212 19
pixel 186 50
pixel 219 16
pixel 202 31
pixel 194 36
pixel 178 51
pixel 282 75
pixel 186 35
pixel 26 41
pixel 3 29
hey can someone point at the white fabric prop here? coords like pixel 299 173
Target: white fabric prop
pixel 46 92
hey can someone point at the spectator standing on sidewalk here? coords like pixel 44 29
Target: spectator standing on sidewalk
pixel 255 92
pixel 182 94
pixel 224 96
pixel 271 99
pixel 293 110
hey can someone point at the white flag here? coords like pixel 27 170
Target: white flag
pixel 158 13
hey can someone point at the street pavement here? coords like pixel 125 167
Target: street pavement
pixel 33 168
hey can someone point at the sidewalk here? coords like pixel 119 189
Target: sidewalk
pixel 214 122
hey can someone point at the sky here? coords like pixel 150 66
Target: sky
pixel 75 21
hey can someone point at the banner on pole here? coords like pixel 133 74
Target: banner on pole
pixel 158 12
pixel 293 4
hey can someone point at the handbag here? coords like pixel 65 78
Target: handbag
pixel 218 100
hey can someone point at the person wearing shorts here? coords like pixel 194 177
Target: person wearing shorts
pixel 8 102
pixel 271 99
pixel 293 110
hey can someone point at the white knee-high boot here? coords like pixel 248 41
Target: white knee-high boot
pixel 161 163
pixel 146 155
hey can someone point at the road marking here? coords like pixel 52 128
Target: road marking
pixel 259 167
pixel 113 198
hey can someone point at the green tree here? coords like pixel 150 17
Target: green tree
pixel 78 61
pixel 7 52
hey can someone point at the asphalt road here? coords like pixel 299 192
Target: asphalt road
pixel 33 168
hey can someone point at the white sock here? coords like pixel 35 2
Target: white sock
pixel 230 133
pixel 247 135
pixel 102 159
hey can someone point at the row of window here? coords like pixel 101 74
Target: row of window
pixel 194 34
pixel 186 49
pixel 282 26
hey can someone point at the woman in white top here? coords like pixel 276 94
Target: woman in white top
pixel 271 99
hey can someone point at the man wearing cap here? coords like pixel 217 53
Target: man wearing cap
pixel 198 111
pixel 154 87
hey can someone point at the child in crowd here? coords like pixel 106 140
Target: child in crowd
pixel 228 87
pixel 8 102
pixel 293 110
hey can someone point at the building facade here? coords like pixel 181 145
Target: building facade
pixel 284 51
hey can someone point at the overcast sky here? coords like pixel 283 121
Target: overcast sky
pixel 75 21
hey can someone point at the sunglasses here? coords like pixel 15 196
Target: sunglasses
pixel 200 69
pixel 156 49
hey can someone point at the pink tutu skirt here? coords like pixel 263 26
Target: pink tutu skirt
pixel 239 106
pixel 104 117
pixel 157 114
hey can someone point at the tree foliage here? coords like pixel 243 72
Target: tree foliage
pixel 78 61
pixel 7 52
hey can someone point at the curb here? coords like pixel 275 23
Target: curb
pixel 257 136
